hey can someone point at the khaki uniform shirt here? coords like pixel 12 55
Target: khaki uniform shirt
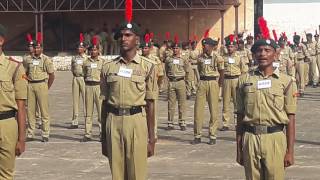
pixel 159 67
pixel 301 52
pixel 38 68
pixel 263 100
pixel 77 65
pixel 162 53
pixel 318 47
pixel 177 66
pixel 246 57
pixel 155 51
pixel 312 48
pixel 13 84
pixel 286 60
pixel 126 85
pixel 210 65
pixel 233 65
pixel 92 69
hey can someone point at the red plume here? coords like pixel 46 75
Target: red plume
pixel 151 35
pixel 129 11
pixel 231 38
pixel 94 40
pixel 39 37
pixel 206 34
pixel 81 38
pixel 147 38
pixel 29 38
pixel 263 28
pixel 176 39
pixel 275 35
pixel 289 43
pixel 167 35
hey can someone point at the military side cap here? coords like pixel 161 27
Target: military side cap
pixel 264 42
pixel 209 41
pixel 145 44
pixel 230 40
pixel 296 37
pixel 133 27
pixel 316 35
pixel 309 35
pixel 3 31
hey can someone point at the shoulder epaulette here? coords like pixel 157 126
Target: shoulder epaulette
pixel 148 60
pixel 13 60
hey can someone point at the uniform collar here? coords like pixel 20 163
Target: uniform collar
pixel 276 72
pixel 136 59
pixel 96 59
pixel 34 57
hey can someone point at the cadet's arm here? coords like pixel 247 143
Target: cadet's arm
pixel 21 118
pixel 290 133
pixel 150 124
pixel 239 135
pixel 50 80
pixel 221 77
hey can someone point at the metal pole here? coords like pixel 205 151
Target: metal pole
pixel 41 28
pixel 236 8
pixel 188 30
pixel 36 23
pixel 222 26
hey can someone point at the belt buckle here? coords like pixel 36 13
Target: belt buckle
pixel 260 129
pixel 124 111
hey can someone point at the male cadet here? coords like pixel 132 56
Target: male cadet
pixel 13 93
pixel 233 67
pixel 177 69
pixel 210 66
pixel 91 73
pixel 245 55
pixel 312 64
pixel 301 54
pixel 285 62
pixel 194 55
pixel 249 43
pixel 128 89
pixel 316 37
pixel 78 85
pixel 185 54
pixel 266 103
pixel 145 46
pixel 38 69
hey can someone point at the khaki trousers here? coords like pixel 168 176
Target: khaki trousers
pixel 38 94
pixel 306 72
pixel 208 91
pixel 78 88
pixel 8 141
pixel 314 69
pixel 263 156
pixel 229 91
pixel 92 97
pixel 126 139
pixel 177 91
pixel 300 75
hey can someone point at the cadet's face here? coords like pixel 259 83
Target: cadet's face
pixel 231 49
pixel 31 49
pixel 207 49
pixel 1 41
pixel 309 38
pixel 296 41
pixel 176 50
pixel 81 49
pixel 145 51
pixel 129 40
pixel 249 41
pixel 38 50
pixel 265 55
pixel 94 52
pixel 241 46
pixel 316 38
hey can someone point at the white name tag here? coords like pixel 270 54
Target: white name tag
pixel 231 60
pixel 276 64
pixel 94 65
pixel 125 72
pixel 79 61
pixel 176 61
pixel 263 84
pixel 35 62
pixel 207 61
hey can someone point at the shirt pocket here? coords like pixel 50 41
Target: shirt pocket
pixel 276 99
pixel 139 82
pixel 6 83
pixel 250 94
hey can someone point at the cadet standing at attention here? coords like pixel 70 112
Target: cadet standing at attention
pixel 13 93
pixel 78 85
pixel 312 65
pixel 38 69
pixel 128 89
pixel 233 67
pixel 266 105
pixel 91 71
pixel 177 70
pixel 210 66
pixel 245 55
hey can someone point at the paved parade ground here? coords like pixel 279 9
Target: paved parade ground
pixel 64 157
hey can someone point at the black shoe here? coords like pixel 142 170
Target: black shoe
pixel 314 86
pixel 224 128
pixel 212 142
pixel 86 139
pixel 169 128
pixel 45 139
pixel 73 127
pixel 183 128
pixel 29 139
pixel 196 141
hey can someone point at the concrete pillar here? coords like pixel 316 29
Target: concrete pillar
pixel 41 28
pixel 258 11
pixel 222 25
pixel 236 10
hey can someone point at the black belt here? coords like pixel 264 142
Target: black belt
pixel 175 79
pixel 7 114
pixel 208 78
pixel 92 83
pixel 37 81
pixel 262 129
pixel 124 111
pixel 231 77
